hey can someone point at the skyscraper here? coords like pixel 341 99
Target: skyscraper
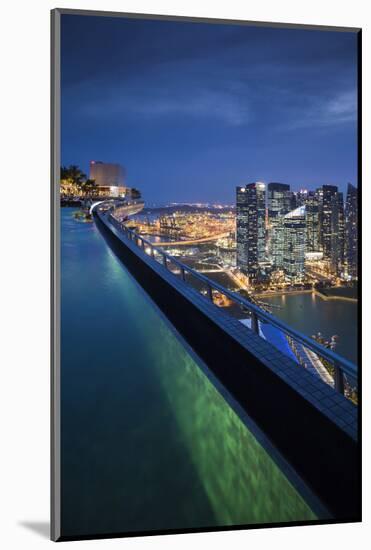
pixel 261 211
pixel 340 219
pixel 250 228
pixel 331 218
pixel 326 216
pixel 319 195
pixel 312 222
pixel 279 204
pixel 301 197
pixel 351 231
pixel 294 229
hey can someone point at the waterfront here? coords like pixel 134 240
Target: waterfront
pixel 311 314
pixel 148 442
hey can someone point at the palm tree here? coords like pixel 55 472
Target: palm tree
pixel 64 173
pixel 89 186
pixel 74 174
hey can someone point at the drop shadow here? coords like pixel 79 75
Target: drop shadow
pixel 42 528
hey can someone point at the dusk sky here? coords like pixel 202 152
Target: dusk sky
pixel 192 110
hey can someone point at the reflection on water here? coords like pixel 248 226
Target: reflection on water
pixel 242 483
pixel 310 314
pixel 147 440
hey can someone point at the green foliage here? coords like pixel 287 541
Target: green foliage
pixel 74 174
pixel 89 187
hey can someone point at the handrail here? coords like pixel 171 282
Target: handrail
pixel 341 365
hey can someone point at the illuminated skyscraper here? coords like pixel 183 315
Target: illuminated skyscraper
pixel 279 204
pixel 301 197
pixel 312 222
pixel 319 195
pixel 250 227
pixel 328 192
pixel 340 220
pixel 351 231
pixel 294 231
pixel 331 218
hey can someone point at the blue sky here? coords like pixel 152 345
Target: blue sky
pixel 194 109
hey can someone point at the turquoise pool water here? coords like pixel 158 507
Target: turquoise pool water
pixel 148 441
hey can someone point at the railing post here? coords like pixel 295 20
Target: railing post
pixel 164 260
pixel 210 292
pixel 183 274
pixel 339 379
pixel 153 252
pixel 254 322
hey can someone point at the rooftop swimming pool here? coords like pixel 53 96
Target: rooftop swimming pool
pixel 150 441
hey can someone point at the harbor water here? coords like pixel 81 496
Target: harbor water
pixel 311 314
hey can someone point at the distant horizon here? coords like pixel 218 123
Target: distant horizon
pixel 190 108
pixel 195 201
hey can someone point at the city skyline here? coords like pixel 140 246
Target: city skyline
pixel 276 229
pixel 209 107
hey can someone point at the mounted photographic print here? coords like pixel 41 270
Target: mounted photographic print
pixel 205 275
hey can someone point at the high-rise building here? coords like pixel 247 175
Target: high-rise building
pixel 327 194
pixel 319 195
pixel 312 222
pixel 279 204
pixel 261 211
pixel 294 229
pixel 301 197
pixel 293 202
pixel 108 176
pixel 340 243
pixel 331 218
pixel 250 228
pixel 351 231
